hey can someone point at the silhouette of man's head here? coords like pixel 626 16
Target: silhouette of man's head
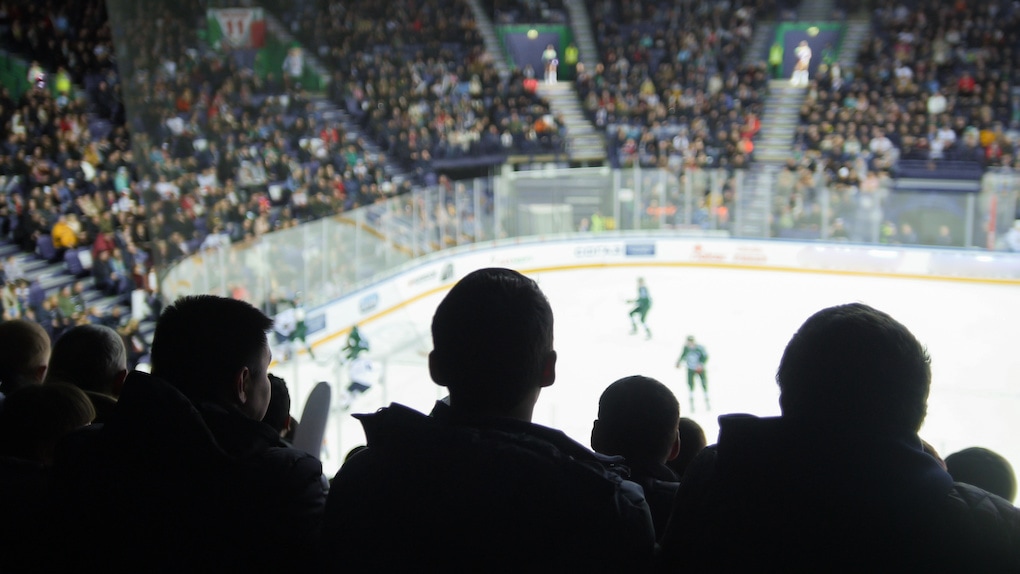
pixel 215 349
pixel 24 353
pixel 493 343
pixel 638 419
pixel 90 357
pixel 984 469
pixel 692 441
pixel 854 367
pixel 278 413
pixel 35 417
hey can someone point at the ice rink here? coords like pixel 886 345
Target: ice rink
pixel 743 318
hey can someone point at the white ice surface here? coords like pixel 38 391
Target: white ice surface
pixel 743 318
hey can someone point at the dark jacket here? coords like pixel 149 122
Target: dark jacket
pixel 771 496
pixel 168 486
pixel 438 493
pixel 660 484
pixel 25 504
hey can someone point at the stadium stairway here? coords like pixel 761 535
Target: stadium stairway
pixel 816 10
pixel 773 146
pixel 858 33
pixel 754 203
pixel 761 41
pixel 584 143
pixel 277 29
pixel 489 37
pixel 55 276
pixel 580 25
pixel 779 121
pixel 329 111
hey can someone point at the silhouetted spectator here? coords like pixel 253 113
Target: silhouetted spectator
pixel 476 485
pixel 841 477
pixel 692 440
pixel 36 417
pixel 92 358
pixel 24 354
pixel 32 420
pixel 278 412
pixel 185 476
pixel 638 420
pixel 985 469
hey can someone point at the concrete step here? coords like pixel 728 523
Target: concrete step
pixel 557 97
pixel 780 112
pixel 784 146
pixel 776 133
pixel 760 149
pixel 758 50
pixel 777 129
pixel 780 83
pixel 575 120
pixel 774 142
pixel 772 155
pixel 779 119
pixel 594 158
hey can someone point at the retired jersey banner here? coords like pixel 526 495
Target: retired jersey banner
pixel 239 28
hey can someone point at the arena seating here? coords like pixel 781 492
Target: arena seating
pixel 670 91
pixel 670 87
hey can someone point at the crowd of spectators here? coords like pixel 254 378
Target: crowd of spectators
pixel 213 154
pixel 930 94
pixel 528 12
pixel 933 84
pixel 231 155
pixel 670 88
pixel 71 42
pixel 70 189
pixel 422 86
pixel 226 156
pixel 53 203
pixel 216 154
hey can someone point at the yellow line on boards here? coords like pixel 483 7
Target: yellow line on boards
pixel 742 267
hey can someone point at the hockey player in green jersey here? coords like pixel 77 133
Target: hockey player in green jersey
pixel 362 370
pixel 642 304
pixel 695 357
pixel 355 345
pixel 300 331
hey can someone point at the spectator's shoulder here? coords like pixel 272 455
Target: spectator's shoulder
pixel 297 461
pixel 983 527
pixel 985 508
